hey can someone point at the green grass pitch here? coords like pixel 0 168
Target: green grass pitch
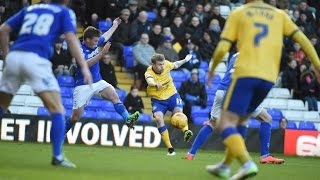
pixel 31 161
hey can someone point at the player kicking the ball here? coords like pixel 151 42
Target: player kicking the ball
pixel 164 95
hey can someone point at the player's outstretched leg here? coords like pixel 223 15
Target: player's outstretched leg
pixel 249 169
pixel 219 170
pixel 201 138
pixel 130 119
pixel 57 137
pixel 264 135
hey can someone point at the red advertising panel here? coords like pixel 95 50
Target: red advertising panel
pixel 302 143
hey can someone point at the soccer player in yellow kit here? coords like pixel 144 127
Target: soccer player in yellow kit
pixel 164 96
pixel 258 29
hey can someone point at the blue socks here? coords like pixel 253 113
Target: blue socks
pixel 57 134
pixel 201 138
pixel 264 135
pixel 69 124
pixel 121 109
pixel 242 129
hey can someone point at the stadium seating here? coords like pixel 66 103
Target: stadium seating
pixel 293 115
pixel 66 92
pixel 177 84
pixel 215 80
pixel 33 101
pixel 19 100
pixel 25 90
pixel 200 120
pixel 28 110
pixel 204 65
pixel 178 75
pixel 221 67
pixel 104 25
pixel 145 118
pixel 14 109
pixel 291 125
pixel 311 116
pixel 104 115
pixel 306 125
pixel 210 99
pixel 116 116
pixel 107 106
pixel 211 90
pixel 275 114
pixel 67 102
pixel 151 15
pixel 94 104
pixel 42 111
pixel 121 93
pixel 278 103
pixel 198 111
pixel 253 123
pixel 275 125
pixel 294 104
pixel 128 56
pixel 66 81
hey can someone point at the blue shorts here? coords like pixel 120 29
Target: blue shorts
pixel 245 95
pixel 166 105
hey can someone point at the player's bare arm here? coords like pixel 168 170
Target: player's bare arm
pixel 96 58
pixel 152 83
pixel 177 64
pixel 5 30
pixel 115 25
pixel 74 45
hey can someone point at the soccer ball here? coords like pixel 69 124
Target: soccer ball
pixel 179 120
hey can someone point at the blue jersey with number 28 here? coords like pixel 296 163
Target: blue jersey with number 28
pixel 40 26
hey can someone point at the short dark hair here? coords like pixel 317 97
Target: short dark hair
pixel 133 87
pixel 91 32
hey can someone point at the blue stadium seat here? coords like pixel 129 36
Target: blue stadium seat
pixel 151 15
pixel 94 104
pixel 178 76
pixel 291 125
pixel 253 123
pixel 198 111
pixel 275 125
pixel 116 116
pixel 104 115
pixel 104 25
pixel 68 113
pixel 211 90
pixel 122 94
pixel 306 125
pixel 66 92
pixel 67 102
pixel 42 111
pixel 128 56
pixel 177 85
pixel 107 106
pixel 89 114
pixel 204 65
pixel 276 114
pixel 200 120
pixel 202 76
pixel 145 118
pixel 65 81
pixel 210 99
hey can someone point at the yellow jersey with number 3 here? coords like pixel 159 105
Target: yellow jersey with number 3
pixel 168 89
pixel 258 29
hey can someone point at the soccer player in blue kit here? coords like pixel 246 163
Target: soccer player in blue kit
pixel 39 27
pixel 92 39
pixel 260 113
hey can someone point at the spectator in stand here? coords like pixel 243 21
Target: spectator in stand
pixel 142 53
pixel 133 102
pixel 189 4
pixel 178 29
pixel 163 18
pixel 155 36
pixel 121 37
pixel 304 8
pixel 113 8
pixel 307 25
pixel 216 15
pixel 182 12
pixel 206 47
pixel 167 32
pixel 134 10
pixel 290 76
pixel 316 44
pixel 94 20
pixel 195 28
pixel 199 13
pixel 309 91
pixel 139 26
pixel 207 9
pixel 194 63
pixel 170 5
pixel 166 49
pixel 298 53
pixel 283 123
pixel 193 92
pixel 107 71
pixel 2 11
pixel 295 16
pixel 61 60
pixel 215 31
pixel 79 7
